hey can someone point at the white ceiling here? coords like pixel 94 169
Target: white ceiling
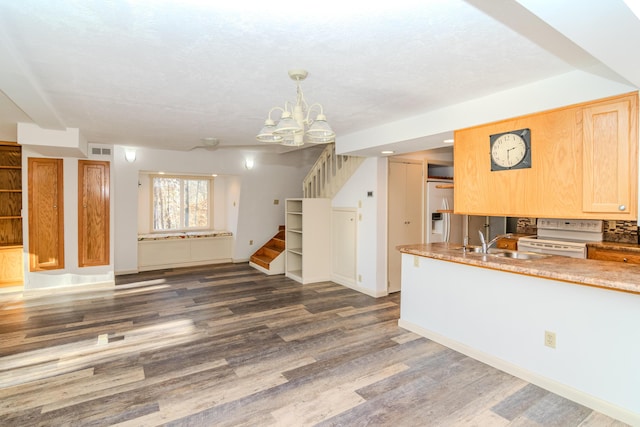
pixel 166 73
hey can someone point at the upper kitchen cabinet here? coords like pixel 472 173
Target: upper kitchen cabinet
pixel 609 168
pixel 580 161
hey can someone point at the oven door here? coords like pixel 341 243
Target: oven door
pixel 553 248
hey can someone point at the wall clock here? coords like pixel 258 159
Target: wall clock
pixel 510 150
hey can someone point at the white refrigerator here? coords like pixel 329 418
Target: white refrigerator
pixel 441 224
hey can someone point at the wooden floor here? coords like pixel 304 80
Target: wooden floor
pixel 228 346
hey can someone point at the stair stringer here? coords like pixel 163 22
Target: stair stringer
pixel 276 266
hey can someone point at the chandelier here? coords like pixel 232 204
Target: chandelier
pixel 296 125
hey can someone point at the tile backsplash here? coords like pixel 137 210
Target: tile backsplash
pixel 621 231
pixel 614 231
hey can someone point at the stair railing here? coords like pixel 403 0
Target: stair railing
pixel 329 173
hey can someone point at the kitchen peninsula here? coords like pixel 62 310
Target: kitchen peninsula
pixel 500 310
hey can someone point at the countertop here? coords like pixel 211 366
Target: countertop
pixel 603 274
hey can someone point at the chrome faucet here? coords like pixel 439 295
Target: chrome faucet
pixel 485 245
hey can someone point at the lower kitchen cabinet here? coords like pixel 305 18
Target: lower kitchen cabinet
pixel 614 254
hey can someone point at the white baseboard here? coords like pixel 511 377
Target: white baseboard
pixel 183 264
pixel 123 272
pixel 553 386
pixel 72 288
pixel 350 284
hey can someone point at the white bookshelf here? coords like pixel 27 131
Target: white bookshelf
pixel 308 240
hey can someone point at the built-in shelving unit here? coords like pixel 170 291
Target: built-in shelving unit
pixel 308 240
pixel 11 270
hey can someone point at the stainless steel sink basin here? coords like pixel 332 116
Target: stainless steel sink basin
pixel 519 255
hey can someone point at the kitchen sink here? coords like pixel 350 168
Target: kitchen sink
pixel 519 255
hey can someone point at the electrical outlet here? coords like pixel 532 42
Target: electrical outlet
pixel 550 339
pixel 416 261
pixel 250 242
pixel 276 201
pixel 359 277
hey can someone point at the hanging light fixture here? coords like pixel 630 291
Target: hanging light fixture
pixel 296 125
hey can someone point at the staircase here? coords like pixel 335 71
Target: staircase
pixel 325 179
pixel 330 172
pixel 270 257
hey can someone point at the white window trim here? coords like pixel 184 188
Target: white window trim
pixel 182 177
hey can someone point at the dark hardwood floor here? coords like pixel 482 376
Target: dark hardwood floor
pixel 226 345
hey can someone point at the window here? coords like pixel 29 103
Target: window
pixel 181 203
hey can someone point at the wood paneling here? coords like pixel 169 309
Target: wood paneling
pixel 93 213
pixel 553 186
pixel 11 266
pixel 228 346
pixel 46 214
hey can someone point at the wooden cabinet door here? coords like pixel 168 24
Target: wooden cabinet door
pixel 93 213
pixel 609 157
pixel 46 214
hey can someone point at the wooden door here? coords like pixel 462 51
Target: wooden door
pixel 46 214
pixel 93 213
pixel 404 215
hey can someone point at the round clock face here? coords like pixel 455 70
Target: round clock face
pixel 508 150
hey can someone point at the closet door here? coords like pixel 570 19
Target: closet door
pixel 46 214
pixel 93 213
pixel 404 215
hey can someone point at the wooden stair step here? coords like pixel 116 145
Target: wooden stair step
pixel 275 244
pixel 261 261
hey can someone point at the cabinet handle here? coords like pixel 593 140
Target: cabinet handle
pixel 624 260
pixel 622 207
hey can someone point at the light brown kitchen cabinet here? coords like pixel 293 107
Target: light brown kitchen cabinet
pixel 619 255
pixel 46 214
pixel 506 243
pixel 584 164
pixel 93 213
pixel 609 157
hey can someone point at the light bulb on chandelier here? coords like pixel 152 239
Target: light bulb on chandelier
pixel 296 125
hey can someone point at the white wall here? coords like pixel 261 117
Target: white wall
pixel 249 194
pixel 500 318
pixel 371 246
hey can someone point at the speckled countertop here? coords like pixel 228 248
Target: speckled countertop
pixel 613 275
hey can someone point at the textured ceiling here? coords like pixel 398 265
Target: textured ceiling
pixel 166 73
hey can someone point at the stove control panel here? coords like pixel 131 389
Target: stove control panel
pixel 589 225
